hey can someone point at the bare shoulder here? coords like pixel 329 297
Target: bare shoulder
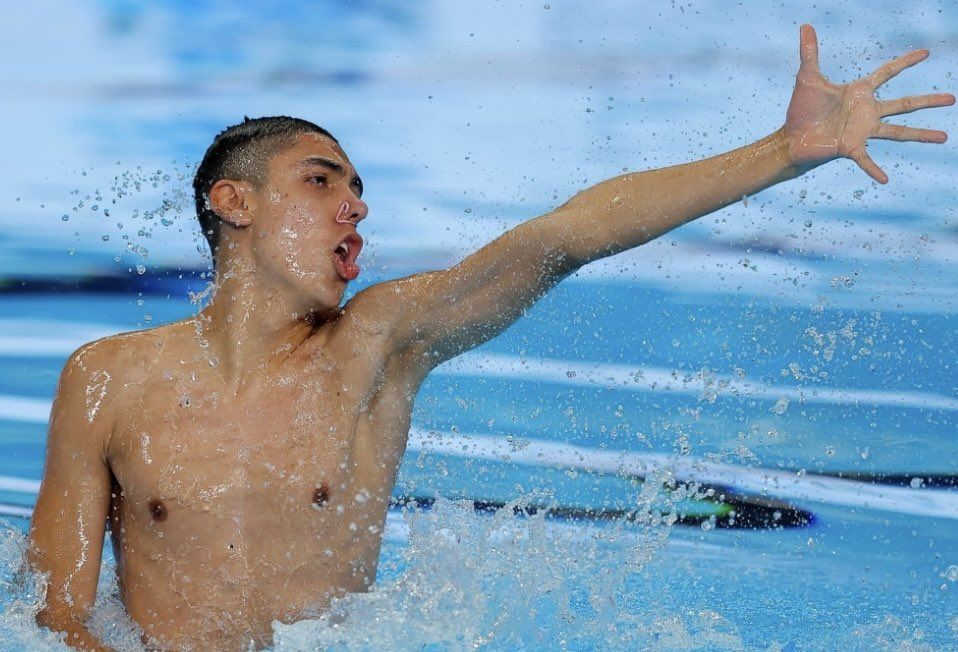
pixel 116 354
pixel 381 320
pixel 385 307
pixel 98 376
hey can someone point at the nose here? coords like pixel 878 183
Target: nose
pixel 352 212
pixel 360 209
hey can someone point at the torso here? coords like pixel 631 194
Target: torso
pixel 234 510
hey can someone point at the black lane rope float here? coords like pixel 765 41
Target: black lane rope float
pixel 730 511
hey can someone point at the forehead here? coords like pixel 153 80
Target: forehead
pixel 306 146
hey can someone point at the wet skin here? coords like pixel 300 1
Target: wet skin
pixel 232 510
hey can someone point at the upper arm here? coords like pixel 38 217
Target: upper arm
pixel 441 314
pixel 69 521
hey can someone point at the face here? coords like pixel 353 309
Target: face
pixel 305 219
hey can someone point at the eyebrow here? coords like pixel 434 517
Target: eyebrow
pixel 332 165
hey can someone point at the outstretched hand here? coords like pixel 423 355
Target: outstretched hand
pixel 827 121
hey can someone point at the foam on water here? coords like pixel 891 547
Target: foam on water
pixel 465 580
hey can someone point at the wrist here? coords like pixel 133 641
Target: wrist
pixel 783 154
pixel 795 163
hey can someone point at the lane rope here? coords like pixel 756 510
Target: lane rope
pixel 809 488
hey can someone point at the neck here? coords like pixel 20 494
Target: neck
pixel 253 322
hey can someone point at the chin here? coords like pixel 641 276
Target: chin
pixel 320 292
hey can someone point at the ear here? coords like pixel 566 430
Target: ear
pixel 232 201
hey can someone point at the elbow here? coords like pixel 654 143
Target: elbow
pixel 54 619
pixel 563 261
pixel 566 251
pixel 579 239
pixel 581 249
pixel 61 620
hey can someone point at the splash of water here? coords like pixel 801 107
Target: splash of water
pixel 500 582
pixel 464 580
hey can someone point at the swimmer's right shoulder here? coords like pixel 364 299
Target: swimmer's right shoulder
pixel 99 381
pixel 115 352
pixel 110 365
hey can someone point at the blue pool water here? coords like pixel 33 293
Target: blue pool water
pixel 795 352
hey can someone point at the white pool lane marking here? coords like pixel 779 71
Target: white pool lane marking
pixel 657 379
pixel 26 337
pixel 808 488
pixel 15 510
pixel 27 410
pixel 773 483
pixel 19 485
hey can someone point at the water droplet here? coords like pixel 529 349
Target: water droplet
pixel 780 405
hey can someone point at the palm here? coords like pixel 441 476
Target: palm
pixel 826 121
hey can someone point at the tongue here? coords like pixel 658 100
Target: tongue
pixel 349 271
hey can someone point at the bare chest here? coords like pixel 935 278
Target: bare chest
pixel 184 442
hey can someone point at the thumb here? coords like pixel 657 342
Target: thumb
pixel 808 47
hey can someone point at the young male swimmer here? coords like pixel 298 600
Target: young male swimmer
pixel 244 458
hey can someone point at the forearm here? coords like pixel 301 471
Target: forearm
pixel 632 209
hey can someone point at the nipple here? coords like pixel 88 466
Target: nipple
pixel 320 495
pixel 157 509
pixel 343 215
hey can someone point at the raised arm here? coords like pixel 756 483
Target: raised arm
pixel 66 533
pixel 444 313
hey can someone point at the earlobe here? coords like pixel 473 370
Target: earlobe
pixel 228 199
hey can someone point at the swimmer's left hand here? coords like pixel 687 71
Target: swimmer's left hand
pixel 827 121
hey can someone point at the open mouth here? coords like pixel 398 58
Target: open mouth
pixel 345 254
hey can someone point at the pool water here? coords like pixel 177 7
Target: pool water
pixel 740 436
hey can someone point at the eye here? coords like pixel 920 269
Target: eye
pixel 319 180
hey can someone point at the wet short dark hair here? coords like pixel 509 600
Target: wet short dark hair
pixel 242 152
